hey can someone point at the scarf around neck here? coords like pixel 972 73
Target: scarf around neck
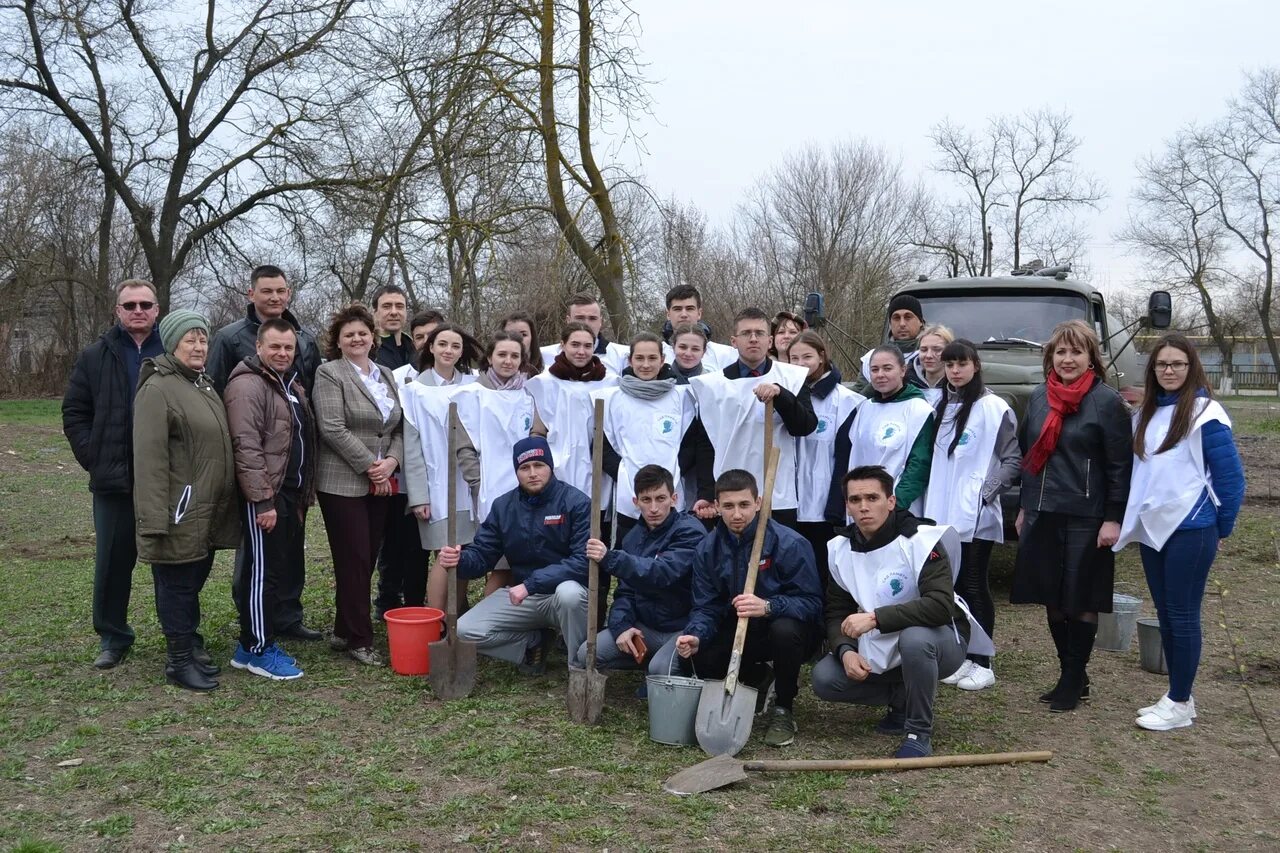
pixel 515 383
pixel 647 389
pixel 683 376
pixel 561 368
pixel 1064 400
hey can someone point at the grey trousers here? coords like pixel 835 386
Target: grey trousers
pixel 504 630
pixel 928 654
pixel 661 645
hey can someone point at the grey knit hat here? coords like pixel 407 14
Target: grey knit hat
pixel 175 324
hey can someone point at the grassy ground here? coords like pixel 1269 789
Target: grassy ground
pixel 355 759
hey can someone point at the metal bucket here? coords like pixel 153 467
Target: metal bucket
pixel 673 707
pixel 1115 629
pixel 1151 647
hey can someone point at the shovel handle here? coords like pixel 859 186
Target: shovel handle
pixel 593 569
pixel 796 766
pixel 451 525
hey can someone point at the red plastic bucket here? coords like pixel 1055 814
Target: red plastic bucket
pixel 409 630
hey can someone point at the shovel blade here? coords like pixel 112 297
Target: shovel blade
pixel 586 696
pixel 723 724
pixel 711 774
pixel 453 668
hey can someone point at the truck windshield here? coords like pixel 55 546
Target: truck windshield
pixel 1006 316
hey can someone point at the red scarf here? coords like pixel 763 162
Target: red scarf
pixel 561 368
pixel 1063 400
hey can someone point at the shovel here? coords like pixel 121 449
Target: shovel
pixel 725 769
pixel 453 661
pixel 726 708
pixel 586 686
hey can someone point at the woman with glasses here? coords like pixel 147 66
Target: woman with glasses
pixel 1187 487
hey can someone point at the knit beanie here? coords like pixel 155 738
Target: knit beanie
pixel 534 447
pixel 907 302
pixel 175 324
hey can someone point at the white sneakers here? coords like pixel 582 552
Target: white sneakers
pixel 954 678
pixel 1167 714
pixel 978 678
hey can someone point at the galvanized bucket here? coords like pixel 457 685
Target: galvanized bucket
pixel 1151 647
pixel 1115 629
pixel 673 707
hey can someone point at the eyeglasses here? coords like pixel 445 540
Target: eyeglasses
pixel 137 306
pixel 751 334
pixel 1175 366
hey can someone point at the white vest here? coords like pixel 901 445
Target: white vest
pixel 955 482
pixel 494 421
pixel 426 408
pixel 404 374
pixel 816 452
pixel 716 357
pixel 614 358
pixel 883 434
pixel 890 575
pixel 1165 487
pixel 568 411
pixel 645 432
pixel 734 420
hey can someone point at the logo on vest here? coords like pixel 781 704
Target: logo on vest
pixel 966 438
pixel 824 424
pixel 891 584
pixel 890 431
pixel 528 422
pixel 664 424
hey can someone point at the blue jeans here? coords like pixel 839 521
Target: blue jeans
pixel 1176 575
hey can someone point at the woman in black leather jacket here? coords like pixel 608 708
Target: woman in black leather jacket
pixel 1077 456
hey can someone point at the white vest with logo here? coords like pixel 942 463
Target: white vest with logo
pixel 645 432
pixel 426 408
pixel 883 434
pixel 567 409
pixel 494 420
pixel 890 575
pixel 816 452
pixel 734 420
pixel 955 482
pixel 1166 487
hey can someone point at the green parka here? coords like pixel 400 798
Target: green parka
pixel 184 493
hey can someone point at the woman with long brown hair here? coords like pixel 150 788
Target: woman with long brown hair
pixel 1076 460
pixel 1187 487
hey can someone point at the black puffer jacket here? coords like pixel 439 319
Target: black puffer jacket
pixel 97 409
pixel 237 341
pixel 1087 475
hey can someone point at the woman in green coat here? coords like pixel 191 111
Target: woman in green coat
pixel 184 491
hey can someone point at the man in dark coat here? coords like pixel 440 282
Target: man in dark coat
pixel 97 418
pixel 269 296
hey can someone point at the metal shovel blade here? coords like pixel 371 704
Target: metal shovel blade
pixel 707 776
pixel 723 724
pixel 453 667
pixel 586 695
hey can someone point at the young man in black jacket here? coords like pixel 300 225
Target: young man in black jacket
pixel 892 620
pixel 269 296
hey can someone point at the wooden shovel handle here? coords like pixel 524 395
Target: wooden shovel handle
pixel 593 569
pixel 795 766
pixel 451 525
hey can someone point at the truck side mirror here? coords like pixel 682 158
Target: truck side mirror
pixel 815 310
pixel 1160 309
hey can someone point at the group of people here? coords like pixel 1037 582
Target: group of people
pixel 884 508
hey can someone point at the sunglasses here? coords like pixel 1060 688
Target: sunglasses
pixel 137 306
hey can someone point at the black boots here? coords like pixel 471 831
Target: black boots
pixel 202 658
pixel 182 670
pixel 1058 630
pixel 1080 637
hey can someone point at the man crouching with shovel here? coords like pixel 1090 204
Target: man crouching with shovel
pixel 893 621
pixel 783 611
pixel 541 527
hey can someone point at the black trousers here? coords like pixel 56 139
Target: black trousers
pixel 818 534
pixel 178 588
pixel 974 586
pixel 291 579
pixel 256 587
pixel 114 559
pixel 402 562
pixel 788 643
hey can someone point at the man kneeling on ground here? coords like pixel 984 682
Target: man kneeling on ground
pixel 654 567
pixel 893 623
pixel 784 611
pixel 541 527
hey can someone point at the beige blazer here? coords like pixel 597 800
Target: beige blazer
pixel 352 433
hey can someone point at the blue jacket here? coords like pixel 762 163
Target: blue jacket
pixel 1226 472
pixel 654 569
pixel 788 577
pixel 543 536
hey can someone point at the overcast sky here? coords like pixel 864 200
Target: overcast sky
pixel 736 85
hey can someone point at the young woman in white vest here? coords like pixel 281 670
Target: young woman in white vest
pixel 648 420
pixel 975 460
pixel 688 347
pixel 894 430
pixel 1187 487
pixel 444 367
pixel 926 371
pixel 833 403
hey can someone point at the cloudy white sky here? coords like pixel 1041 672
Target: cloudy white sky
pixel 736 84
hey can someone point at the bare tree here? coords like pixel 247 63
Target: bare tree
pixel 975 162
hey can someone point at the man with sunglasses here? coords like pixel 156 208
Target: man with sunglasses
pixel 97 418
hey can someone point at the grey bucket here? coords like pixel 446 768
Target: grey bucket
pixel 1151 647
pixel 673 707
pixel 1115 629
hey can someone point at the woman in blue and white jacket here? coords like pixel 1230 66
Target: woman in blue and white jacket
pixel 1187 487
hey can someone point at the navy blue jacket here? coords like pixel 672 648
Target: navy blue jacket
pixel 543 536
pixel 788 577
pixel 654 569
pixel 1223 462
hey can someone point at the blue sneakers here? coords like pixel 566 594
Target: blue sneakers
pixel 240 660
pixel 914 746
pixel 273 663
